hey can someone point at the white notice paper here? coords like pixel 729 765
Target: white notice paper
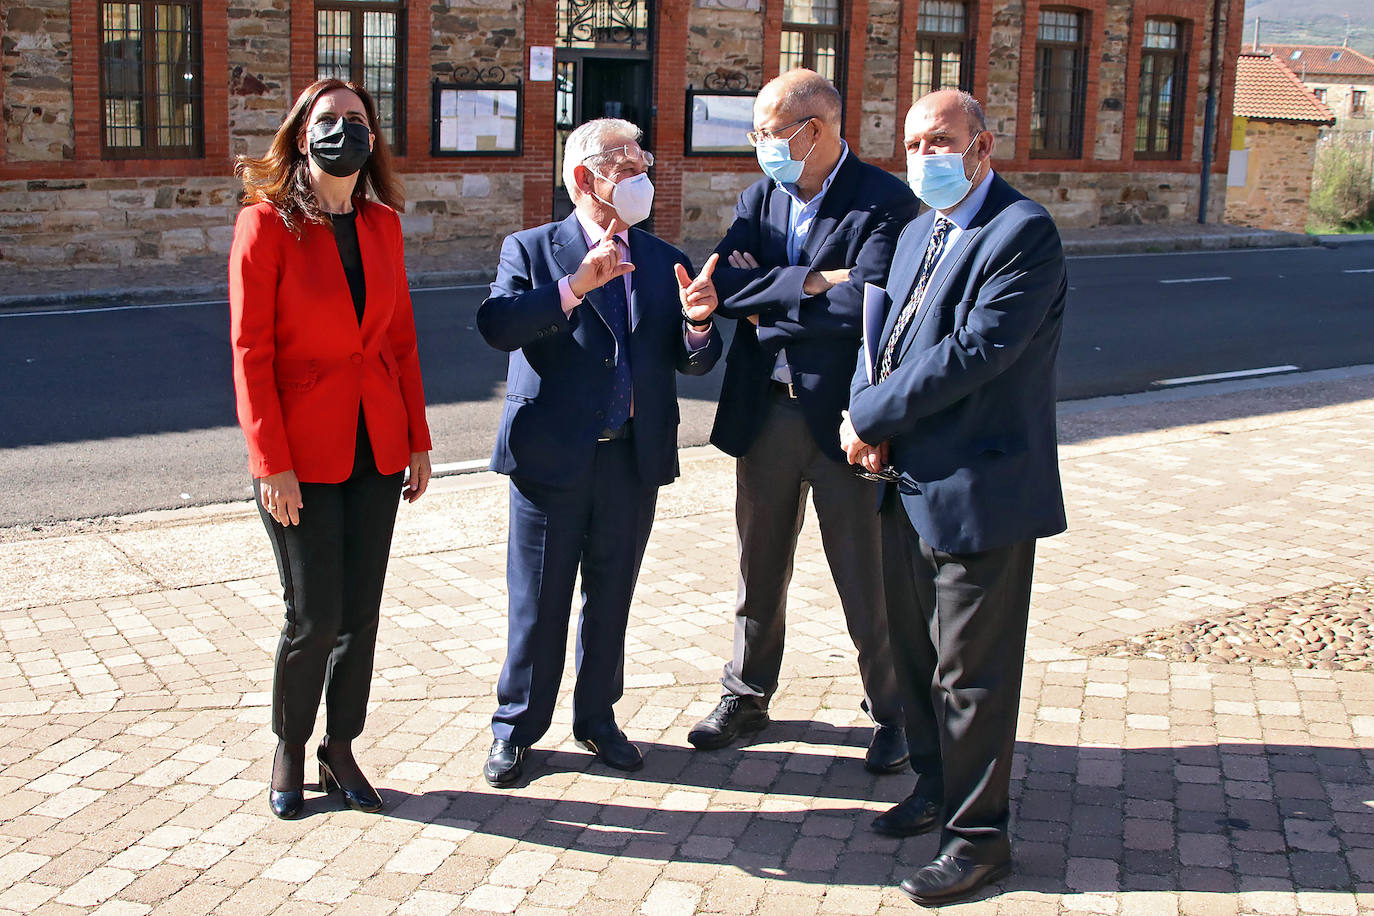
pixel 541 63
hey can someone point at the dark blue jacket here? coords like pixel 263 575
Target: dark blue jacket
pixel 969 409
pixel 857 227
pixel 559 379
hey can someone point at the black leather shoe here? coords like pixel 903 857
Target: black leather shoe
pixel 505 764
pixel 612 748
pixel 912 816
pixel 949 878
pixel 287 805
pixel 887 752
pixel 364 799
pixel 733 717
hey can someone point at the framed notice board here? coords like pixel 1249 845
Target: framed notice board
pixel 471 119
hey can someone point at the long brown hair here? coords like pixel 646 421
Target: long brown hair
pixel 282 177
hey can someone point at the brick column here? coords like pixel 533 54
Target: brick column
pixel 538 164
pixel 670 125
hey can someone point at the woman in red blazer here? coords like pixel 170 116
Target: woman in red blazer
pixel 331 403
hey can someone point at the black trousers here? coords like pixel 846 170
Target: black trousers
pixel 771 483
pixel 332 567
pixel 958 624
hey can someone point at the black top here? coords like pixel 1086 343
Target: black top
pixel 346 237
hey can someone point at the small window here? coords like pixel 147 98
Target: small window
pixel 1059 94
pixel 813 37
pixel 943 58
pixel 1320 94
pixel 151 86
pixel 363 42
pixel 1295 55
pixel 1335 55
pixel 1159 108
pixel 1357 102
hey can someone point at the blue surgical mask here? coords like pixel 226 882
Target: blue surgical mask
pixel 775 158
pixel 939 179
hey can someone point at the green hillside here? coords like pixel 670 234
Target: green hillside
pixel 1312 22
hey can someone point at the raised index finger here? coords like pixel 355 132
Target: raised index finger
pixel 709 267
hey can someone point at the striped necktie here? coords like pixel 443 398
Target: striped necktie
pixel 913 304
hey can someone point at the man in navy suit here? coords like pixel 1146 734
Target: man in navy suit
pixel 596 317
pixel 953 401
pixel 805 240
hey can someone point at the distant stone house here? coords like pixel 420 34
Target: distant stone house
pixel 1273 145
pixel 1340 77
pixel 121 119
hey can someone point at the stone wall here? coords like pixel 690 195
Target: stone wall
pixel 878 127
pixel 259 72
pixel 1278 178
pixel 36 59
pixel 708 204
pixel 112 221
pixel 725 39
pixel 1338 99
pixel 476 35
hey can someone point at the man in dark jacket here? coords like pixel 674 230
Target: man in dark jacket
pixel 596 317
pixel 805 241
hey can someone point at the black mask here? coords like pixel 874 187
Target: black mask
pixel 341 148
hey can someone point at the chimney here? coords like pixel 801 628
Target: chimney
pixel 1257 28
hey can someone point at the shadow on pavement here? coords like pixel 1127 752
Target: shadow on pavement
pixel 1222 818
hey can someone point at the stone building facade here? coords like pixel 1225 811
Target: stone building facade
pixel 1274 145
pixel 1097 105
pixel 1341 78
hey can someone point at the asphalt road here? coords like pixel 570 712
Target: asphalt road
pixel 116 410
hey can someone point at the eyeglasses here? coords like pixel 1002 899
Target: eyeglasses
pixel 764 134
pixel 888 474
pixel 629 152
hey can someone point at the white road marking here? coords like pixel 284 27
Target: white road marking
pixel 1196 280
pixel 1363 270
pixel 1219 376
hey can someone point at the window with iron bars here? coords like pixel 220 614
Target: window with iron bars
pixel 151 84
pixel 363 41
pixel 943 58
pixel 1159 108
pixel 1059 94
pixel 813 37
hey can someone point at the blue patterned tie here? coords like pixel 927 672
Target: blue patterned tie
pixel 932 257
pixel 616 310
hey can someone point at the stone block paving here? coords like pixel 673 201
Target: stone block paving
pixel 134 747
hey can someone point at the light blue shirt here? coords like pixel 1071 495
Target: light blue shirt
pixel 801 215
pixel 962 215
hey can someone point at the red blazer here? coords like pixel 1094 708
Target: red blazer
pixel 302 364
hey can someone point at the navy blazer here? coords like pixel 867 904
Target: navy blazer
pixel 969 408
pixel 561 366
pixel 857 226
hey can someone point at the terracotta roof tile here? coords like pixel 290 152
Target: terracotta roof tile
pixel 1268 90
pixel 1313 59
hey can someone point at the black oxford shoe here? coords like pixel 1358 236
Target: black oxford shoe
pixel 612 748
pixel 949 878
pixel 887 752
pixel 287 805
pixel 505 764
pixel 733 717
pixel 912 816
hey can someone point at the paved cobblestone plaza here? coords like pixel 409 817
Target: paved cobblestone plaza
pixel 136 656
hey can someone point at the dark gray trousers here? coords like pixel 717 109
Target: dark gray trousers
pixel 958 626
pixel 771 484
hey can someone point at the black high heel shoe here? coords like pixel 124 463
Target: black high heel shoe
pixel 367 801
pixel 288 804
